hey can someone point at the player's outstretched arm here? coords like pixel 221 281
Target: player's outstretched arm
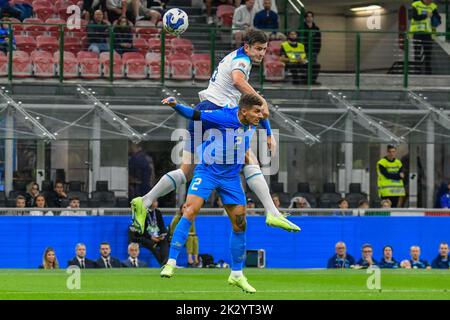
pixel 186 112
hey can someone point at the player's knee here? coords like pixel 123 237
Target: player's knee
pixel 240 223
pixel 188 212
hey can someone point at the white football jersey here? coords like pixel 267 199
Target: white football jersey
pixel 221 90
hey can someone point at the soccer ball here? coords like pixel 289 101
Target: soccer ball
pixel 175 21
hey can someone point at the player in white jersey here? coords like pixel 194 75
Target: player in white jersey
pixel 228 82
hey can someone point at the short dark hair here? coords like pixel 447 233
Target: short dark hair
pixel 309 12
pixel 105 243
pixel 391 146
pixel 388 246
pixel 249 100
pixel 363 201
pixel 59 182
pixel 254 36
pixel 367 245
pixel 74 198
pixel 342 200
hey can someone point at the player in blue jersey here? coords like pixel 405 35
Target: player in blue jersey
pixel 222 159
pixel 228 82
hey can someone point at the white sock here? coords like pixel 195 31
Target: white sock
pixel 258 185
pixel 236 274
pixel 169 182
pixel 172 262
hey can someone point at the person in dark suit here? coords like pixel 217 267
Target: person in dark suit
pixel 133 260
pixel 80 259
pixel 154 237
pixel 106 261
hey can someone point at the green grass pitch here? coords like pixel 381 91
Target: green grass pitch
pixel 277 284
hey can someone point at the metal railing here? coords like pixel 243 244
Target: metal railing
pixel 354 55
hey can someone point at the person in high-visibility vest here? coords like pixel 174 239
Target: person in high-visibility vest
pixel 425 18
pixel 294 56
pixel 390 177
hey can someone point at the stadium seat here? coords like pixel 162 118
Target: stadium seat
pixel 180 66
pixel 74 185
pixel 153 61
pixel 80 32
pixel 135 65
pixel 202 69
pixel 25 43
pixel 17 26
pixel 47 43
pixel 304 191
pixel 43 64
pixel 274 47
pixel 3 201
pixel 118 65
pixel 274 70
pixel 146 30
pixel 3 64
pixel 355 195
pixel 285 199
pixel 34 27
pixel 225 14
pixel 140 44
pixel 329 198
pixel 102 197
pixel 20 185
pixel 47 185
pixel 72 44
pixel 154 45
pixel 183 46
pixel 43 10
pixel 61 8
pixel 54 28
pixel 70 64
pixel 21 64
pixel 89 65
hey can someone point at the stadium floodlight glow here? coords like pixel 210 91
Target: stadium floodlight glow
pixel 363 119
pixel 104 112
pixel 371 7
pixel 32 123
pixel 438 116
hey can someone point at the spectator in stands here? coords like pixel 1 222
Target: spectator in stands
pixel 390 177
pixel 133 257
pixel 425 19
pixel 106 261
pixel 310 26
pixel 259 5
pixel 415 261
pixel 21 202
pixel 49 260
pixel 267 20
pixel 6 9
pixel 250 203
pixel 343 205
pixel 442 261
pixel 445 199
pixel 293 55
pixel 192 240
pixel 276 200
pixel 74 204
pixel 90 6
pixel 57 198
pixel 341 259
pixel 80 259
pixel 154 237
pixel 41 204
pixel 363 204
pixel 32 193
pixel 98 33
pixel 386 204
pixel 138 172
pixel 158 5
pixel 242 21
pixel 388 261
pixel 211 3
pixel 299 203
pixel 4 38
pixel 367 259
pixel 123 36
pixel 133 9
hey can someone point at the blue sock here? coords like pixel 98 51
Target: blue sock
pixel 237 247
pixel 179 237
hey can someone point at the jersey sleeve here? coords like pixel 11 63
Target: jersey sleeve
pixel 221 118
pixel 241 63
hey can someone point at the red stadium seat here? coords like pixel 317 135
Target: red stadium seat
pixel 271 57
pixel 3 64
pixel 201 56
pixel 47 43
pixel 89 65
pixel 135 65
pixel 44 11
pixel 72 44
pixel 61 8
pixel 154 45
pixel 202 69
pixel 43 64
pixel 17 26
pixel 180 66
pixel 34 27
pixel 153 61
pixel 274 47
pixel 184 46
pixel 70 64
pixel 54 29
pixel 141 45
pixel 225 14
pixel 146 30
pixel 21 64
pixel 25 43
pixel 80 32
pixel 118 68
pixel 274 70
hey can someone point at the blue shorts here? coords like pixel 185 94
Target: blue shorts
pixel 204 105
pixel 229 188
